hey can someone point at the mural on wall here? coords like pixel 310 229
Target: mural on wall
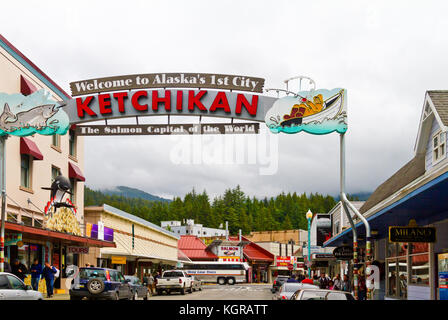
pixel 317 112
pixel 36 113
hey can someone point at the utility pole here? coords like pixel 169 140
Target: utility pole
pixel 3 190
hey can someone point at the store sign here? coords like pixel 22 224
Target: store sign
pixel 284 261
pixel 317 112
pixel 36 113
pixel 167 129
pixel 100 232
pixel 412 234
pixel 78 250
pixel 12 239
pixel 168 102
pixel 118 260
pixel 229 251
pixel 343 253
pixel 168 80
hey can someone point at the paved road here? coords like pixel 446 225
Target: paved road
pixel 226 292
pixel 212 292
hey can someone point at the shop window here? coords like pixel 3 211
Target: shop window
pixel 402 249
pixel 72 143
pixel 392 277
pixel 438 147
pixel 402 278
pixel 391 249
pixel 420 269
pixel 418 247
pixel 25 171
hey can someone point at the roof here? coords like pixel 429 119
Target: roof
pixel 253 251
pixel 405 175
pixel 440 100
pixel 194 248
pixel 19 56
pixel 139 220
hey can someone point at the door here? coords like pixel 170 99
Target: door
pixel 16 288
pixel 124 288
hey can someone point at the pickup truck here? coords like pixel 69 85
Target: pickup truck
pixel 174 280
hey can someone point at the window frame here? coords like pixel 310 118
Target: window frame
pixel 29 172
pixel 56 146
pixel 72 144
pixel 441 142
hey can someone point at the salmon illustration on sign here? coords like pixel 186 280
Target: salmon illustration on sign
pixel 27 115
pixel 317 112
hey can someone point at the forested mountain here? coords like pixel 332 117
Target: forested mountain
pixel 286 211
pixel 132 193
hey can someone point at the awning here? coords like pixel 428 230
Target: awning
pixel 26 87
pixel 424 204
pixel 27 146
pixel 75 173
pixel 49 235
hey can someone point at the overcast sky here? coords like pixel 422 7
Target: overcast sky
pixel 386 53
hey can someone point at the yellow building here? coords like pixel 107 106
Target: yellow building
pixel 141 246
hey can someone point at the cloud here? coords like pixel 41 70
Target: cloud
pixel 387 54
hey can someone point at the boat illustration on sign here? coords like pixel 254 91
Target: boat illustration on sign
pixel 27 115
pixel 317 112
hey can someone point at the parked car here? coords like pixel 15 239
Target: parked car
pixel 174 280
pixel 278 283
pixel 289 288
pixel 197 283
pixel 100 283
pixel 139 290
pixel 321 294
pixel 12 288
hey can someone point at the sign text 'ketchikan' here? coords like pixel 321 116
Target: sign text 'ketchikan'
pixel 168 102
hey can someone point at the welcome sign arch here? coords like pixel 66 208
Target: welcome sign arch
pixel 318 112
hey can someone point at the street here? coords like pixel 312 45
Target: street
pixel 213 292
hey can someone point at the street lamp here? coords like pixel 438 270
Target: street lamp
pixel 309 216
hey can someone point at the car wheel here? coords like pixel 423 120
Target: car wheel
pixel 95 286
pixel 221 281
pixel 231 281
pixel 182 291
pixel 159 292
pixel 191 289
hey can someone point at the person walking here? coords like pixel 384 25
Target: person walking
pixel 292 279
pixel 48 274
pixel 362 289
pixel 150 283
pixel 19 269
pixel 345 284
pixel 323 281
pixel 337 282
pixel 331 285
pixel 36 271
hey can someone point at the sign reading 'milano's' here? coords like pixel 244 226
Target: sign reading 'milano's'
pixel 412 234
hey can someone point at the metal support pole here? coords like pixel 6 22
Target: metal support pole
pixel 3 190
pixel 309 247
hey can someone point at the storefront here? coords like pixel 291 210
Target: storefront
pixel 142 247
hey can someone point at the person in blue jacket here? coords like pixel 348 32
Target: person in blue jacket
pixel 48 274
pixel 36 271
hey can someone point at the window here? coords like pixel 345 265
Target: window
pixel 438 146
pixel 397 270
pixel 25 171
pixel 72 143
pixel 56 141
pixel 336 228
pixel 55 171
pixel 73 190
pixel 313 295
pixel 427 111
pixel 4 284
pixel 14 282
pixel 28 221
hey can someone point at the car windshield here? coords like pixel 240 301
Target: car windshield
pixel 89 273
pixel 173 274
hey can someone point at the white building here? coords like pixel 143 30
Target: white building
pixel 192 229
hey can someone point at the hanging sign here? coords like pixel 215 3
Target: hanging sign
pixel 167 129
pixel 168 80
pixel 36 113
pixel 118 260
pixel 317 112
pixel 343 253
pixel 412 234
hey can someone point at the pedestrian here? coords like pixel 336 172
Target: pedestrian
pixel 7 267
pixel 19 269
pixel 36 271
pixel 316 280
pixel 48 274
pixel 331 285
pixel 292 279
pixel 151 283
pixel 337 282
pixel 345 284
pixel 323 281
pixel 362 289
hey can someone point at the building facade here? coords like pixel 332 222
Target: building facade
pixel 32 163
pixel 141 246
pixel 192 229
pixel 413 195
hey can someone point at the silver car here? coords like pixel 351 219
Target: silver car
pixel 197 283
pixel 321 294
pixel 12 288
pixel 289 288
